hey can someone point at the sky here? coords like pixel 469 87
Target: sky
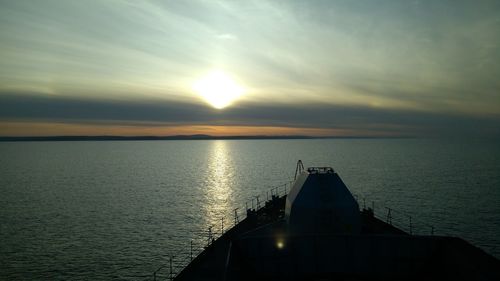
pixel 325 68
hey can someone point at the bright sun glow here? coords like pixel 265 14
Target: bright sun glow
pixel 218 89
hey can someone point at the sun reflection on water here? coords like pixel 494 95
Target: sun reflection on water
pixel 219 180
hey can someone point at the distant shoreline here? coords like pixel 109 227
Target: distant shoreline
pixel 178 137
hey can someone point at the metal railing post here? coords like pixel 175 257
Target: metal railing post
pixel 154 273
pixel 389 216
pixel 209 235
pixel 236 219
pixel 171 269
pixel 411 226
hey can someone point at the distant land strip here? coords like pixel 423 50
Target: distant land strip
pixel 176 137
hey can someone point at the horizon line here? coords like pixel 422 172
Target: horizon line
pixel 180 137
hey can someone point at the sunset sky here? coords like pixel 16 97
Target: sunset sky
pixel 327 68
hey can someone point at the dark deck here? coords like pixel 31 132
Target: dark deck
pixel 258 248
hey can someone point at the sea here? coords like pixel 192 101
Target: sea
pixel 123 210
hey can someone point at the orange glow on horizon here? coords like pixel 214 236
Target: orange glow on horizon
pixel 19 128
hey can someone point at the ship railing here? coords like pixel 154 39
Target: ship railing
pixel 400 219
pixel 175 263
pixel 255 203
pixel 203 239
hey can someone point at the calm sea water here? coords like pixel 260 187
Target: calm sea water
pixel 117 210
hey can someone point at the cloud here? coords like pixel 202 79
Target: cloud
pixel 227 36
pixel 353 118
pixel 379 64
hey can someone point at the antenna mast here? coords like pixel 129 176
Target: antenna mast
pixel 299 169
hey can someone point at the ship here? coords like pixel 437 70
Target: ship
pixel 318 231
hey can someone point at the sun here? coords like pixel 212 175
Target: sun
pixel 218 89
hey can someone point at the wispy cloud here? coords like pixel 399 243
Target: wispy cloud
pixel 425 57
pixel 227 36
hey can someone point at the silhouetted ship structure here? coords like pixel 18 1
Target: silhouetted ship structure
pixel 318 232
